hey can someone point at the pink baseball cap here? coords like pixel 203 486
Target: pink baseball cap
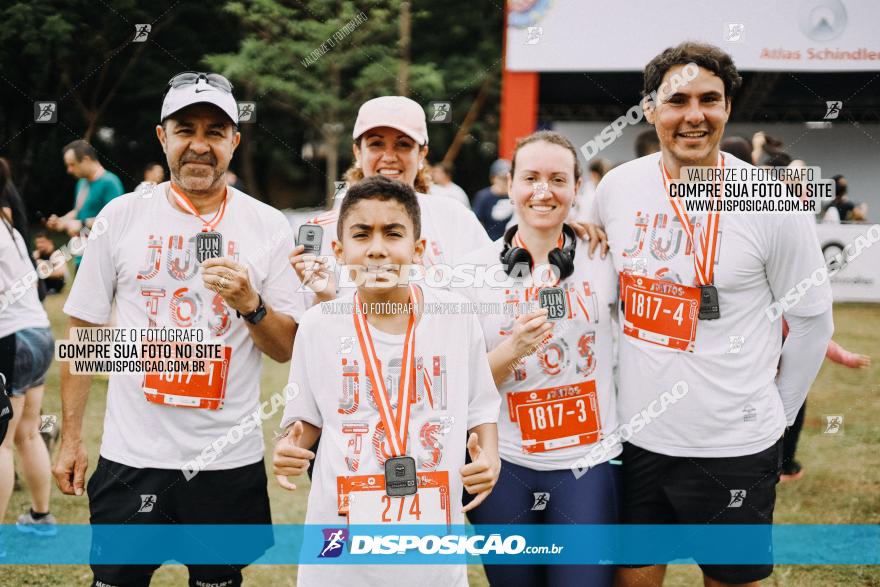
pixel 396 112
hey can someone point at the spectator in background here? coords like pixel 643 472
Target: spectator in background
pixel 647 143
pixel 579 211
pixel 840 209
pixel 779 159
pixel 23 317
pixel 13 208
pixel 791 468
pixel 491 204
pixel 11 200
pixel 764 145
pixel 441 176
pixel 738 147
pixel 598 168
pixel 95 187
pixel 860 213
pixel 154 173
pixel 45 254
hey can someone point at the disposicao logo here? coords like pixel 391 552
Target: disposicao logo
pixel 334 541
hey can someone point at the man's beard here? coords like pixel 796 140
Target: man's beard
pixel 217 175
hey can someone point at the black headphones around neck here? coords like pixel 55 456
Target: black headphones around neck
pixel 562 259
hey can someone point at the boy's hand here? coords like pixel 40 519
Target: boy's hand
pixel 289 459
pixel 480 475
pixel 313 272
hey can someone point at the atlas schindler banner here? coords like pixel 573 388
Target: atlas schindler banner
pixel 785 35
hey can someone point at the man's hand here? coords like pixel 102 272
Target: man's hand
pixel 313 272
pixel 595 234
pixel 480 475
pixel 70 467
pixel 289 459
pixel 230 279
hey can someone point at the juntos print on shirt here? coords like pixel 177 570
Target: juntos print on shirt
pixel 429 407
pixel 661 237
pixel 190 304
pixel 571 339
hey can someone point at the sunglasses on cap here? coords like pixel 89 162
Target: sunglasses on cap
pixel 192 77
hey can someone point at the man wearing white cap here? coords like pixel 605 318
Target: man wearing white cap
pixel 391 139
pixel 192 253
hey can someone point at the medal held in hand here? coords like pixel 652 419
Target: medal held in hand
pixel 209 245
pixel 209 242
pixel 400 469
pixel 553 298
pixel 704 250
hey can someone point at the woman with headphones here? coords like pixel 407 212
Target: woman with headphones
pixel 549 337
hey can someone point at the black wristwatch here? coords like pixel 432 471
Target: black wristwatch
pixel 255 316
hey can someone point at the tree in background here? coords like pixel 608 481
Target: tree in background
pixel 80 54
pixel 318 61
pixel 108 89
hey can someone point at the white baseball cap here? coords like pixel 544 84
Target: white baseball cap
pixel 397 112
pixel 188 88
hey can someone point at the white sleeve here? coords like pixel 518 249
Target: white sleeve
pixel 795 262
pixel 611 278
pixel 461 196
pixel 472 294
pixel 279 288
pixel 469 234
pixel 593 206
pixel 301 402
pixel 802 354
pixel 484 401
pixel 94 286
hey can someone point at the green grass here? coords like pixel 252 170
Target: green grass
pixel 841 484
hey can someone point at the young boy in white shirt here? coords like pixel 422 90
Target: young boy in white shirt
pixel 397 393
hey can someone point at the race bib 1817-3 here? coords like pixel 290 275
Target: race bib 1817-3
pixel 556 417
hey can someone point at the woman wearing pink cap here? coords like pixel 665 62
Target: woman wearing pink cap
pixel 391 139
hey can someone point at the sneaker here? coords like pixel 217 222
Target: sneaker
pixel 791 472
pixel 45 526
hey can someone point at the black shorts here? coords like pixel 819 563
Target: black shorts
pixel 119 494
pixel 659 489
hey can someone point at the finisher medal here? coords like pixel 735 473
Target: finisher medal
pixel 705 249
pixel 400 476
pixel 209 245
pixel 553 298
pixel 709 307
